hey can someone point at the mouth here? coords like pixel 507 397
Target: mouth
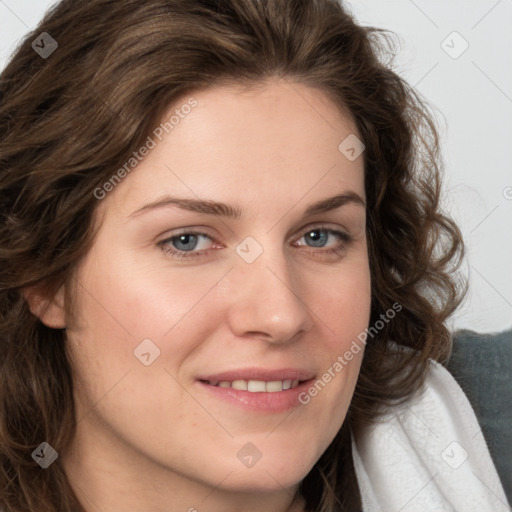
pixel 268 391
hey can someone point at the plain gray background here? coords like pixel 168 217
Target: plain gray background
pixel 458 55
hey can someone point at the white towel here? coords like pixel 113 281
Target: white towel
pixel 428 455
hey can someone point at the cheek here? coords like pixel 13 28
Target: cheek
pixel 131 299
pixel 343 313
pixel 341 301
pixel 121 305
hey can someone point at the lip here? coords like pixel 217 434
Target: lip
pixel 270 403
pixel 260 374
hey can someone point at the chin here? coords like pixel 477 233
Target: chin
pixel 273 474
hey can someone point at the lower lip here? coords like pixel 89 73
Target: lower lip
pixel 278 401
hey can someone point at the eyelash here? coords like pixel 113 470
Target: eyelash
pixel 338 249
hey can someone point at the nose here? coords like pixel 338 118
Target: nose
pixel 268 299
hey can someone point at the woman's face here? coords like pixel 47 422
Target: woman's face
pixel 183 303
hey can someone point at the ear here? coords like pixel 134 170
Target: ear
pixel 50 310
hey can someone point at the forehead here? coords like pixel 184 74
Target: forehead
pixel 281 138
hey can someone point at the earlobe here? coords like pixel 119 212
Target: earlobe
pixel 50 310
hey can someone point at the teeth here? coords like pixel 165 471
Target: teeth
pixel 257 386
pixel 240 385
pixel 273 386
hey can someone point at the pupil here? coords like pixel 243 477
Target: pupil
pixel 188 241
pixel 318 237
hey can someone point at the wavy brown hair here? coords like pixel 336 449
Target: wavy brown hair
pixel 67 122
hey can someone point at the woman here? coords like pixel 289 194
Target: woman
pixel 225 274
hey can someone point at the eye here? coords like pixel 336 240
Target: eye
pixel 319 237
pixel 188 242
pixel 192 244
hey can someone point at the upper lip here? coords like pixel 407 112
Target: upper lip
pixel 263 374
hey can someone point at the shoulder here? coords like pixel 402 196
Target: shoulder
pixel 427 454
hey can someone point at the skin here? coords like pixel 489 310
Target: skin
pixel 148 438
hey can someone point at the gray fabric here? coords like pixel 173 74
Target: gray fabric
pixel 482 365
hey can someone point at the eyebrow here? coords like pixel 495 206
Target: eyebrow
pixel 218 209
